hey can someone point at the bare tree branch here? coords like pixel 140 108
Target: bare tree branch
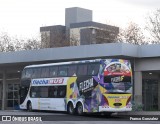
pixel 153 26
pixel 132 34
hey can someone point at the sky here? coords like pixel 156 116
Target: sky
pixel 23 18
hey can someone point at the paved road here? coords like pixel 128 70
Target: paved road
pixel 61 117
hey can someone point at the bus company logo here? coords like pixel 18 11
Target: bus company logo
pixel 39 81
pixel 56 81
pixel 86 84
pixel 117 79
pixel 47 81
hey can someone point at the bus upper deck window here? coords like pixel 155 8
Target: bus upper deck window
pixel 93 69
pixel 82 69
pixel 72 70
pixel 45 72
pixel 63 70
pixel 53 71
pixel 36 73
pixel 28 73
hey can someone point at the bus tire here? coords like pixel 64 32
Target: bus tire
pixel 79 108
pixel 29 106
pixel 70 108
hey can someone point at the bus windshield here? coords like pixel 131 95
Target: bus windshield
pixel 117 76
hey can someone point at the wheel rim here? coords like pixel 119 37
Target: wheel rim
pixel 71 109
pixel 30 107
pixel 80 109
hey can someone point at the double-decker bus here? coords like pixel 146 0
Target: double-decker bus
pixel 101 85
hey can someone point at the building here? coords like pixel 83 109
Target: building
pixel 145 61
pixel 53 36
pixel 85 33
pixel 79 29
pixel 77 15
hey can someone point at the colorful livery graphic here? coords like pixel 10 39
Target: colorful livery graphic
pixel 103 85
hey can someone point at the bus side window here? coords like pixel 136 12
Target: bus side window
pixel 51 91
pixel 93 69
pixel 82 69
pixel 28 73
pixel 61 92
pixel 36 73
pixel 34 92
pixel 72 70
pixel 53 71
pixel 63 71
pixel 43 92
pixel 45 72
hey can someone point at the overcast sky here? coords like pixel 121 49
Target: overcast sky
pixel 24 17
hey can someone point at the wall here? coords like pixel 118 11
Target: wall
pixel 76 15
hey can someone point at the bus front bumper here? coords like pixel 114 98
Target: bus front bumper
pixel 22 106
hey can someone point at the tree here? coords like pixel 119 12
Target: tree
pixel 153 26
pixel 8 43
pixel 132 34
pixel 32 44
pixel 5 43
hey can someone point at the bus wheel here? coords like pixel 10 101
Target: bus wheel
pixel 79 109
pixel 70 109
pixel 29 106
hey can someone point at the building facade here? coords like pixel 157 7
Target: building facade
pixel 85 33
pixel 79 29
pixel 145 60
pixel 53 36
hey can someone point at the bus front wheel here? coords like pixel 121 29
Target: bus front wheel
pixel 70 109
pixel 79 109
pixel 29 106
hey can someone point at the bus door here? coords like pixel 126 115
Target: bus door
pixel 35 100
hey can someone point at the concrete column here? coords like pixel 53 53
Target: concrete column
pixel 4 91
pixel 138 87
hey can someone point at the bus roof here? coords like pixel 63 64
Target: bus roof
pixel 63 63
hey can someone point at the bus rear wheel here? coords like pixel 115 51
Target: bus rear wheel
pixel 79 109
pixel 70 109
pixel 29 106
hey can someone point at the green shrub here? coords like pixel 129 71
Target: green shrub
pixel 137 106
